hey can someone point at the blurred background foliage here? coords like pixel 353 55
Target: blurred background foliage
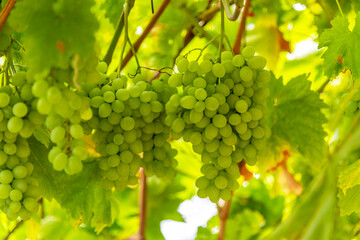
pixel 289 194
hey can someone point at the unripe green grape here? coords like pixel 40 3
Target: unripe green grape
pixel 256 113
pixel 39 88
pixel 182 64
pixel 220 97
pixel 109 97
pixel 20 184
pixel 226 131
pixel 219 121
pixel 213 193
pixel 202 193
pixel 188 102
pixel 76 131
pixel 199 106
pixel 102 67
pixel 193 66
pixel 20 109
pixel 43 106
pixel 127 123
pixel 4 99
pixel 223 89
pixel 20 172
pixel 74 166
pixel 195 116
pixel 60 161
pixel 30 204
pixel 178 125
pixel 224 161
pixel 175 80
pixel 122 94
pixel 211 173
pixel 246 117
pixel 211 103
pixel 6 176
pixel 221 182
pixel 5 190
pixel 202 182
pixel 218 70
pixel 241 106
pixel 200 83
pixel 57 134
pixel 256 62
pixel 16 195
pixel 15 206
pixel 15 124
pixel 238 60
pixel 225 150
pixel 211 131
pixel 228 66
pixel 246 74
pixel 204 67
pixel 248 52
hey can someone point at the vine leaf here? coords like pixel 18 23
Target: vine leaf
pixel 295 116
pixel 81 195
pixel 349 202
pixel 349 193
pixel 343 50
pixel 42 134
pixel 54 31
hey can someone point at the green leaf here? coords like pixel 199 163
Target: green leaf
pixel 343 48
pixel 349 202
pixel 314 215
pixel 54 32
pixel 349 176
pixel 297 118
pixel 42 134
pixel 82 195
pixel 113 10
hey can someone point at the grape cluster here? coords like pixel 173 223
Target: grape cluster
pixel 126 124
pixel 63 110
pixel 18 190
pixel 158 157
pixel 220 110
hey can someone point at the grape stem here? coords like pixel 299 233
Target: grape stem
pixel 13 230
pixel 223 216
pixel 6 11
pixel 147 30
pixel 119 27
pixel 127 39
pixel 231 16
pixel 241 29
pixel 142 204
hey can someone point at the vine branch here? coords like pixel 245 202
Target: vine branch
pixel 147 30
pixel 241 29
pixel 142 204
pixel 6 11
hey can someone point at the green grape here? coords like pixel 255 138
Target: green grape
pixel 105 110
pixel 219 121
pixel 226 55
pixel 20 109
pixel 221 182
pixel 202 182
pixel 256 62
pixel 60 161
pixel 218 70
pixel 127 123
pixel 193 66
pixel 224 161
pixel 228 66
pixel 238 61
pixel 57 134
pixel 16 195
pixel 263 76
pixel 102 67
pixel 211 103
pixel 30 204
pixel 109 97
pixel 175 80
pixel 6 176
pixel 188 102
pixel 15 206
pixel 200 83
pixel 182 64
pixel 76 131
pixel 205 67
pixel 248 52
pixel 211 131
pixel 53 95
pixel 4 99
pixel 246 74
pixel 178 125
pixel 39 88
pixel 241 106
pixel 213 193
pixel 20 172
pixel 122 94
pixel 5 190
pixel 20 184
pixel 15 124
pixel 43 106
